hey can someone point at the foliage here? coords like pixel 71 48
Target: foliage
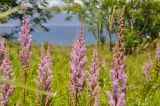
pixel 94 14
pixel 142 19
pixel 100 16
pixel 38 13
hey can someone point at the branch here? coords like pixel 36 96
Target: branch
pixel 9 12
pixel 144 27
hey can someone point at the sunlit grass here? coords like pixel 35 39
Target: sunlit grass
pixel 60 59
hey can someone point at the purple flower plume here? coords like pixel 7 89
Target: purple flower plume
pixel 6 88
pixel 77 72
pixel 147 66
pixel 2 49
pixel 117 74
pixel 157 56
pixel 93 85
pixel 2 44
pixel 25 41
pixel 44 76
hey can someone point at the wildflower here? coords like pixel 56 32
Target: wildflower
pixel 77 63
pixel 157 56
pixel 2 44
pixel 2 49
pixel 93 86
pixel 96 102
pixel 117 74
pixel 111 99
pixel 147 66
pixel 26 43
pixel 44 77
pixel 7 89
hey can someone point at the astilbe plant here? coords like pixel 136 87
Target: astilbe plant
pixel 151 86
pixel 157 67
pixel 26 43
pixel 157 56
pixel 2 48
pixel 93 85
pixel 2 44
pixel 77 72
pixel 117 72
pixel 147 66
pixel 44 77
pixel 6 75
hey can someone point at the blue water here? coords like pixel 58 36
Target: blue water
pixel 63 35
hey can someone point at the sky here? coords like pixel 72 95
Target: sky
pixel 59 19
pixel 54 2
pixel 59 2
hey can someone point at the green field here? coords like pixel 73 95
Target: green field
pixel 139 91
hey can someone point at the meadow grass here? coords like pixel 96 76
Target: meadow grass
pixel 60 65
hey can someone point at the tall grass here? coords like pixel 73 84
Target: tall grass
pixel 60 58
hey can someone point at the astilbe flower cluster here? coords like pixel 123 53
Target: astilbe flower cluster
pixel 2 49
pixel 157 56
pixel 157 65
pixel 93 85
pixel 2 44
pixel 44 77
pixel 117 74
pixel 77 72
pixel 25 41
pixel 7 75
pixel 147 66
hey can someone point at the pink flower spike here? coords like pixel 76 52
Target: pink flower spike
pixel 44 76
pixel 7 89
pixel 93 85
pixel 77 63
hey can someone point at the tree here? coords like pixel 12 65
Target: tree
pixel 38 12
pixel 98 15
pixel 141 18
pixel 89 14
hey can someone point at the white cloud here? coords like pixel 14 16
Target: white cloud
pixel 60 3
pixel 55 3
pixel 78 1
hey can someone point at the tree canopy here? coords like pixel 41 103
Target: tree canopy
pixel 38 12
pixel 142 18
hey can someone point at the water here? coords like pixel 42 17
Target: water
pixel 61 31
pixel 63 35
